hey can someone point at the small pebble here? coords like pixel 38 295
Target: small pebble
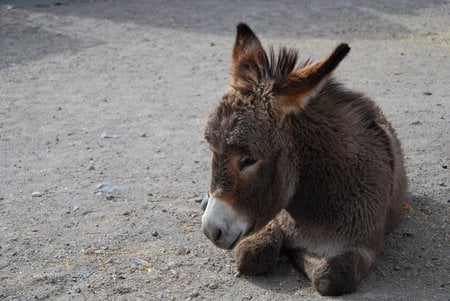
pixel 416 123
pixel 427 93
pixel 91 167
pixel 109 187
pixel 75 208
pixel 443 166
pixel 123 290
pixel 195 199
pixel 36 194
pixel 182 251
pixel 213 286
pixel 137 263
pixel 155 234
pixel 397 268
pixel 173 265
pixel 194 294
pixel 105 135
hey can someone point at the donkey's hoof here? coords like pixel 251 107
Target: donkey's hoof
pixel 328 287
pixel 334 284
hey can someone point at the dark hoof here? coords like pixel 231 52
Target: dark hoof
pixel 338 277
pixel 332 287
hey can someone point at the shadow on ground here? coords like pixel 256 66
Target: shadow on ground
pixel 400 267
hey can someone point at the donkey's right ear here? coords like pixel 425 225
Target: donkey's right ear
pixel 245 46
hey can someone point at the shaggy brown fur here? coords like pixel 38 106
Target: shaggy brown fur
pixel 316 168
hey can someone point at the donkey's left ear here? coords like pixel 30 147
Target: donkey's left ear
pixel 292 92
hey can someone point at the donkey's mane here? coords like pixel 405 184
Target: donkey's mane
pixel 256 68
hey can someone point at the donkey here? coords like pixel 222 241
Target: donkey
pixel 300 165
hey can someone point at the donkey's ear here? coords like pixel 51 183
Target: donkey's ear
pixel 293 91
pixel 246 46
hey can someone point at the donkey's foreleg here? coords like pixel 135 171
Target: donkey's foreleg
pixel 335 275
pixel 258 253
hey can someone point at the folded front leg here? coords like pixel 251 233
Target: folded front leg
pixel 258 253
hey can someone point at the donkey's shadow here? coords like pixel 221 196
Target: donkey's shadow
pixel 412 266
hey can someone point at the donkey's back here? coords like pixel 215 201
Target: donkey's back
pixel 359 127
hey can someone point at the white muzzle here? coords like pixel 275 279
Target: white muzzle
pixel 223 225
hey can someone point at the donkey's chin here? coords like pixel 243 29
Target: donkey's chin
pixel 235 242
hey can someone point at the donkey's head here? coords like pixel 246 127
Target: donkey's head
pixel 251 171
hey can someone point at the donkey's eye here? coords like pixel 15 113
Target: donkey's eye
pixel 246 162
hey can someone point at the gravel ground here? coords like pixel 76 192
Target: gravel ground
pixel 102 161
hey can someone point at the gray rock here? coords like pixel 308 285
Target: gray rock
pixel 109 187
pixel 36 194
pixel 107 136
pixel 138 263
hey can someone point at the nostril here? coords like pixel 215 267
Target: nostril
pixel 217 235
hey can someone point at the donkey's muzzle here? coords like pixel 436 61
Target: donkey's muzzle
pixel 222 225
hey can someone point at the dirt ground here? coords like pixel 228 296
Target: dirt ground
pixel 103 164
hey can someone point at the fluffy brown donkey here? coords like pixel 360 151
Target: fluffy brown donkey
pixel 299 163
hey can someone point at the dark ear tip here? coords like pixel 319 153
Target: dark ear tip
pixel 243 29
pixel 343 48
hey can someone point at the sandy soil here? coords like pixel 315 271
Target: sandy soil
pixel 102 161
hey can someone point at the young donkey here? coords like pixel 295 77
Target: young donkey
pixel 300 164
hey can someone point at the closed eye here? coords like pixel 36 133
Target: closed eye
pixel 246 162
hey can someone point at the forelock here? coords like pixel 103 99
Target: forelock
pixel 256 70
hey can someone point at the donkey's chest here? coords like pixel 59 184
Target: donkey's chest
pixel 311 238
pixel 321 246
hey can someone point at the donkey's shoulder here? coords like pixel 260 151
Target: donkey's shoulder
pixel 344 105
